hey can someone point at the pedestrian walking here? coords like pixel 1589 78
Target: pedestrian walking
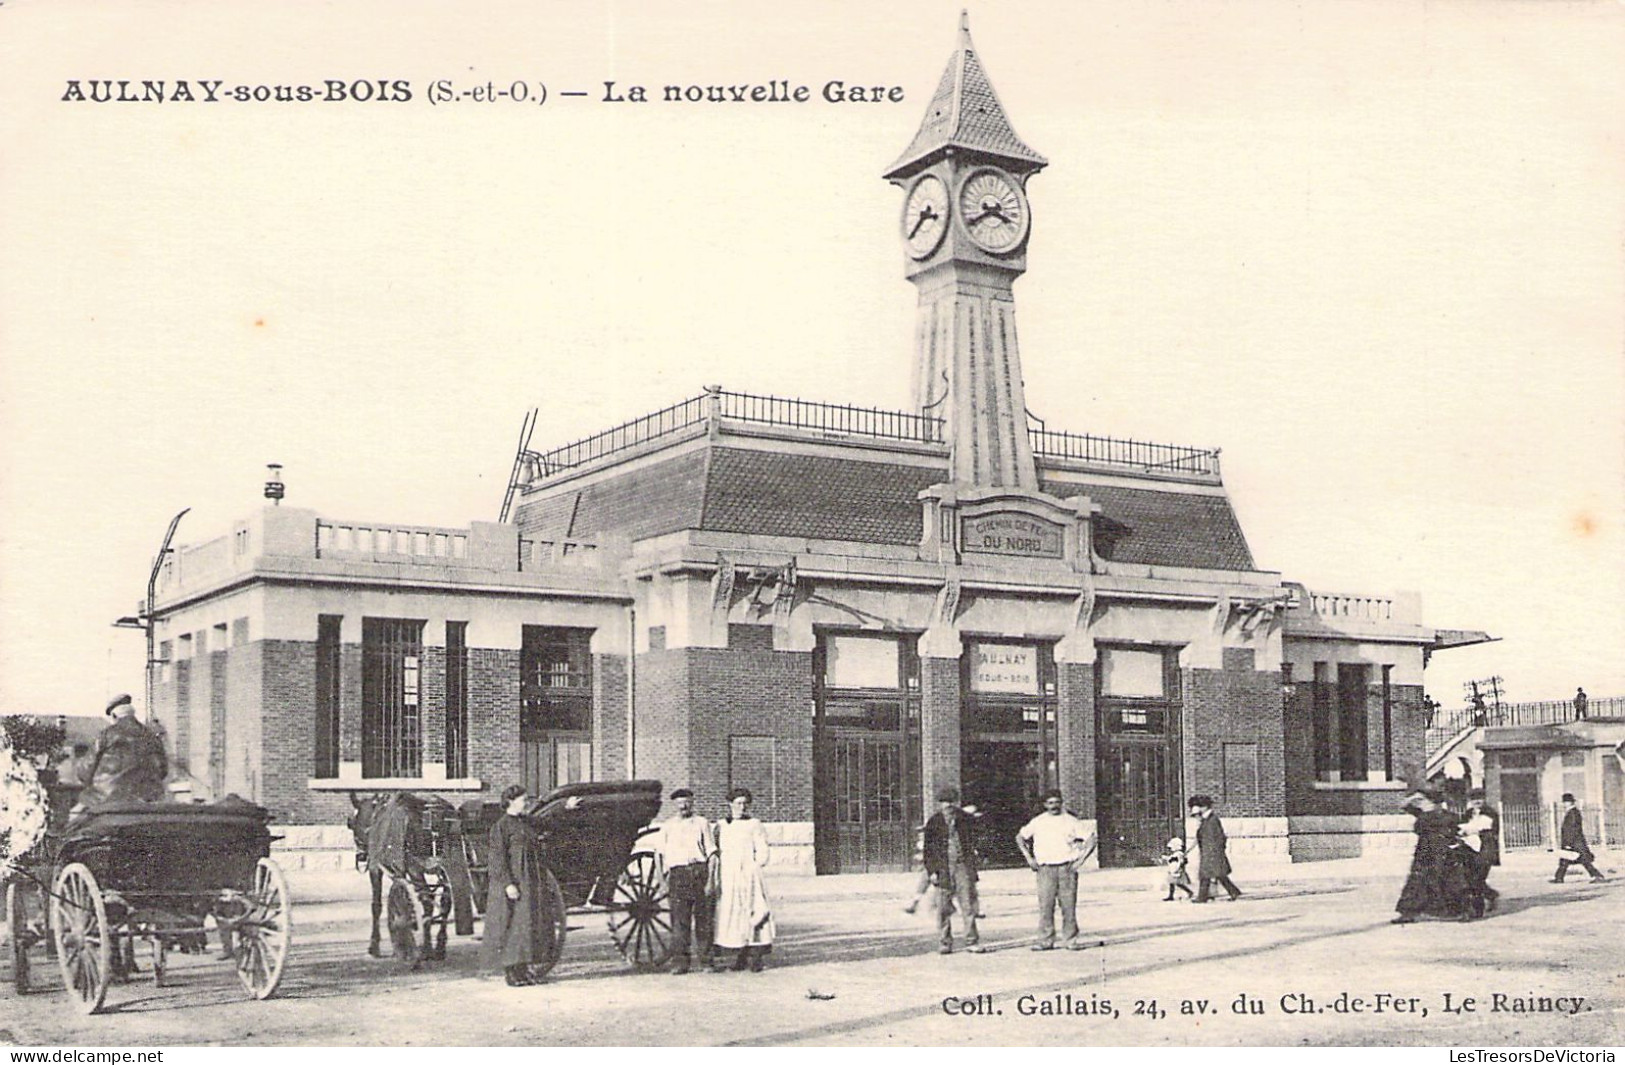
pixel 1174 861
pixel 1437 882
pixel 923 885
pixel 1581 702
pixel 1053 843
pixel 1479 833
pixel 950 864
pixel 1214 863
pixel 688 847
pixel 516 911
pixel 744 914
pixel 1572 846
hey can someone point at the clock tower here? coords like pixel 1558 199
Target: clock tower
pixel 964 225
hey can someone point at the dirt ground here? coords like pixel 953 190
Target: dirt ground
pixel 1307 956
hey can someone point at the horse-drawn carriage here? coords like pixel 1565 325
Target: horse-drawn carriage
pixel 594 848
pixel 155 873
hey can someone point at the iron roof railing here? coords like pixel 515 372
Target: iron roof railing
pixel 846 420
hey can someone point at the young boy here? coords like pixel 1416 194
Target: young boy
pixel 1173 860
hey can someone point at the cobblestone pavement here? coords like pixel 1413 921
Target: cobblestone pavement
pixel 1308 956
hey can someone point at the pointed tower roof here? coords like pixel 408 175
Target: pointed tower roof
pixel 965 113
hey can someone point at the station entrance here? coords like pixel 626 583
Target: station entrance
pixel 1007 741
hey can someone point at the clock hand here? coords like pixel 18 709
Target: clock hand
pixel 926 215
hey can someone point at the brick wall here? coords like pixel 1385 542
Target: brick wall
pixel 349 701
pixel 197 710
pixel 1075 735
pixel 749 691
pixel 494 751
pixel 245 670
pixel 176 697
pixel 663 723
pixel 288 730
pixel 1235 705
pixel 432 687
pixel 218 741
pixel 1409 719
pixel 609 687
pixel 939 724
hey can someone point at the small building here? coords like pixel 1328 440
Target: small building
pixel 841 608
pixel 1529 767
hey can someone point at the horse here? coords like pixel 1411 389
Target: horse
pixel 387 832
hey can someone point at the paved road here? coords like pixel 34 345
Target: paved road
pixel 1309 955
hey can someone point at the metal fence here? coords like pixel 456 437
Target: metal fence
pixel 1521 826
pixel 1110 451
pixel 846 420
pixel 1536 825
pixel 1446 726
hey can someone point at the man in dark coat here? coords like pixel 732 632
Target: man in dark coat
pixel 950 861
pixel 1210 840
pixel 129 764
pixel 1480 830
pixel 519 929
pixel 1572 839
pixel 1437 882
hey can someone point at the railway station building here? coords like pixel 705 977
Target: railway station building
pixel 841 608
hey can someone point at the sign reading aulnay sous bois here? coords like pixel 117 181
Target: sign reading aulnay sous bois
pixel 1005 668
pixel 1011 534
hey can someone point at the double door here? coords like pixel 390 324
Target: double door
pixel 865 779
pixel 1136 800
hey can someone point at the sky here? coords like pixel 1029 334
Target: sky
pixel 1371 250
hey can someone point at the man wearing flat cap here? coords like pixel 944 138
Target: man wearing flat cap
pixel 950 862
pixel 688 848
pixel 128 764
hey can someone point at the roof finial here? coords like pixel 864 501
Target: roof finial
pixel 964 24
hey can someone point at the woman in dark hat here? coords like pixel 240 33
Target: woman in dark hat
pixel 1437 883
pixel 518 933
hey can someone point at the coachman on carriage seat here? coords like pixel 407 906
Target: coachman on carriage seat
pixel 129 764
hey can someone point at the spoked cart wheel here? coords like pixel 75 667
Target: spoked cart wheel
pixel 84 947
pixel 640 914
pixel 264 935
pixel 554 926
pixel 404 912
pixel 25 926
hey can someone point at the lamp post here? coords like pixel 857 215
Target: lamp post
pixel 144 620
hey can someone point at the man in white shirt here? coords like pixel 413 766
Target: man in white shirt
pixel 687 846
pixel 1052 842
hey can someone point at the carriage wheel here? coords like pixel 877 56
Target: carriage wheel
pixel 640 914
pixel 555 925
pixel 84 947
pixel 404 912
pixel 264 935
pixel 19 911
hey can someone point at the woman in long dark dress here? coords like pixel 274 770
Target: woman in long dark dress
pixel 518 933
pixel 1437 884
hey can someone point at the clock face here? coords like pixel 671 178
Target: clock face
pixel 925 216
pixel 994 211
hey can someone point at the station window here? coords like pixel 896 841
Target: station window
pixel 391 717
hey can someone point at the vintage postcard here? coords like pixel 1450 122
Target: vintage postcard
pixel 824 523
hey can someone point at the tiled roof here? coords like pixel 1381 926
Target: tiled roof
pixel 822 497
pixel 816 497
pixel 638 503
pixel 1163 528
pixel 965 112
